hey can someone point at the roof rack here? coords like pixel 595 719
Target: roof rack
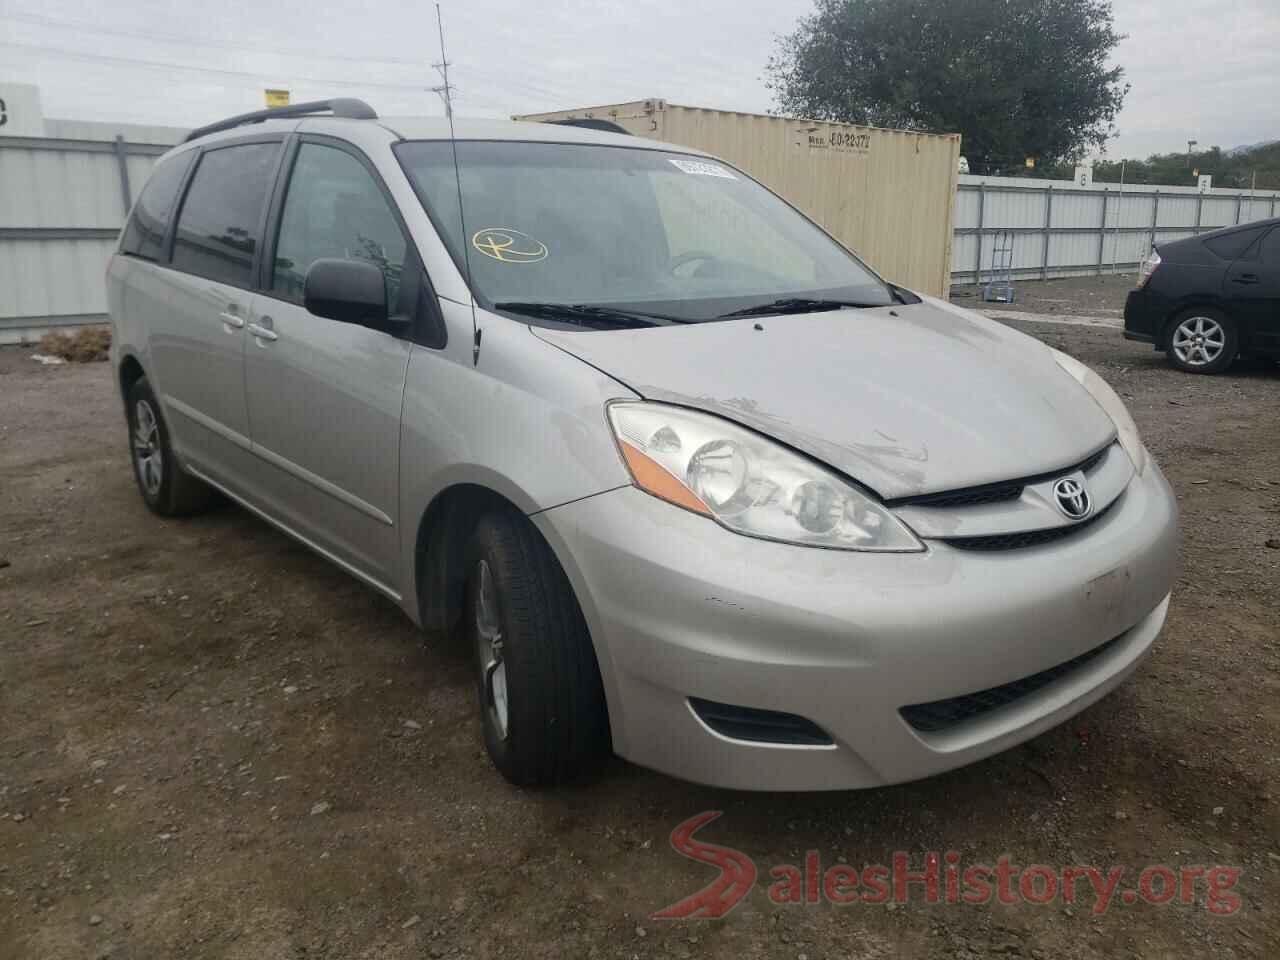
pixel 346 107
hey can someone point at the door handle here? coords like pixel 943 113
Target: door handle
pixel 263 333
pixel 1245 278
pixel 231 319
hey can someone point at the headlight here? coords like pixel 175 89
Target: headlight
pixel 748 483
pixel 1112 406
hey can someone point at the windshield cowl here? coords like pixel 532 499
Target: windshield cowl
pixel 588 314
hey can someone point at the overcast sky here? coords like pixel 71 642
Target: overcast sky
pixel 1199 71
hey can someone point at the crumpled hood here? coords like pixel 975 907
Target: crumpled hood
pixel 906 400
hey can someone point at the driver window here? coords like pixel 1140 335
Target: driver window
pixel 704 225
pixel 334 209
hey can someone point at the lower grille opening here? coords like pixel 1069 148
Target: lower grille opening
pixel 940 715
pixel 759 726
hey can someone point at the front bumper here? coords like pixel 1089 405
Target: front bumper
pixel 678 607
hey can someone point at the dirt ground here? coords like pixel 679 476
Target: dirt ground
pixel 1074 296
pixel 214 744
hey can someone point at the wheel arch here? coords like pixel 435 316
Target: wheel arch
pixel 128 372
pixel 440 571
pixel 439 555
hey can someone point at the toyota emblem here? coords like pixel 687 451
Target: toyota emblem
pixel 1072 498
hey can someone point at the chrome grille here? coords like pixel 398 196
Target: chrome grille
pixel 1026 538
pixel 994 492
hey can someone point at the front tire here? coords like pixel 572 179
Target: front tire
pixel 542 703
pixel 1202 340
pixel 166 488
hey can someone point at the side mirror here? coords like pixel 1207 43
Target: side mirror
pixel 349 291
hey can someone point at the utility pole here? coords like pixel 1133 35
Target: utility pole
pixel 445 90
pixel 1115 236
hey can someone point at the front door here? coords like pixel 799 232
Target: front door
pixel 1253 287
pixel 324 397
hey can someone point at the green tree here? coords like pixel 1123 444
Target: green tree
pixel 1016 78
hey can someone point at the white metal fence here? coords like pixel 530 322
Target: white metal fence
pixel 62 203
pixel 1059 229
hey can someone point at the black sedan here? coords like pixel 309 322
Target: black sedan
pixel 1208 299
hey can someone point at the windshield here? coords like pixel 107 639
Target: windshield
pixel 633 230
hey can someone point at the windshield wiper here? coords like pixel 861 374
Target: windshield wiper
pixel 795 305
pixel 587 313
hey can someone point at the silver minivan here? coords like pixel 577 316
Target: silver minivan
pixel 695 484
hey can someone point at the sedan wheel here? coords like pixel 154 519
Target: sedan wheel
pixel 1198 341
pixel 1202 341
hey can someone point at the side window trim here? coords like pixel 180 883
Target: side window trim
pixel 428 325
pixel 262 278
pixel 192 156
pixel 171 228
pixel 171 231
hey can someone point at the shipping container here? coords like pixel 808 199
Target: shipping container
pixel 885 194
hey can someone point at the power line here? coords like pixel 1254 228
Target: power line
pixel 178 38
pixel 168 65
pixel 528 86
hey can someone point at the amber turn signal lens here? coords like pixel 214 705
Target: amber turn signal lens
pixel 654 478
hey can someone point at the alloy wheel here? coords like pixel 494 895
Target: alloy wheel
pixel 489 649
pixel 1198 341
pixel 147 454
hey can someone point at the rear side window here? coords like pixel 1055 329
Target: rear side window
pixel 144 237
pixel 1231 246
pixel 335 209
pixel 218 227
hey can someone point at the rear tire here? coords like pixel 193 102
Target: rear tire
pixel 542 703
pixel 1202 340
pixel 166 488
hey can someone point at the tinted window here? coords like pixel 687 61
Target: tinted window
pixel 1269 250
pixel 334 209
pixel 145 233
pixel 218 226
pixel 1231 246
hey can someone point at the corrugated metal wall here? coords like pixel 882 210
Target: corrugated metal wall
pixel 887 194
pixel 1059 229
pixel 61 207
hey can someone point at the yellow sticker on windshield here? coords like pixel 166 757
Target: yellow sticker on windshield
pixel 509 246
